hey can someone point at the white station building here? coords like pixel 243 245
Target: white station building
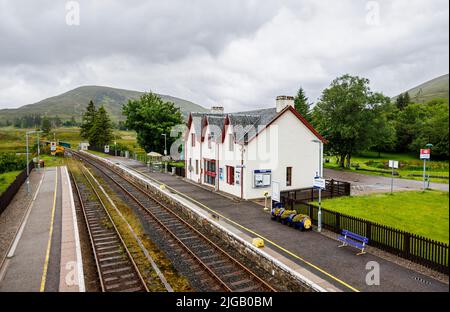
pixel 243 153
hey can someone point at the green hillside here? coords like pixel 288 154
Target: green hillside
pixel 74 102
pixel 435 88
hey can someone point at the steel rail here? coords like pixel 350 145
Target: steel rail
pixel 122 242
pixel 164 206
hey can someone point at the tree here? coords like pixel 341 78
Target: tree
pixel 101 133
pixel 46 126
pixel 432 127
pixel 347 115
pixel 151 117
pixel 88 119
pixel 384 135
pixel 403 100
pixel 301 104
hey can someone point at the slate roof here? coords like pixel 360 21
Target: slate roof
pixel 245 124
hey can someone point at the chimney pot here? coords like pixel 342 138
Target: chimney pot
pixel 217 109
pixel 282 101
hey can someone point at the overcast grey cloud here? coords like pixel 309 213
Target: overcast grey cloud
pixel 239 54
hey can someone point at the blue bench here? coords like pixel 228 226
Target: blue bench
pixel 353 239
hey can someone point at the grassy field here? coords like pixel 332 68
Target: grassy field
pixel 422 213
pixel 7 178
pixel 13 139
pixel 410 165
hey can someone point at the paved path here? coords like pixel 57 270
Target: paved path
pixel 342 265
pixel 366 183
pixel 34 260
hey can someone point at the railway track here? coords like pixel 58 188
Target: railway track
pixel 216 268
pixel 115 266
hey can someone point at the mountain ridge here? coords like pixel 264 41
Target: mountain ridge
pixel 433 88
pixel 73 103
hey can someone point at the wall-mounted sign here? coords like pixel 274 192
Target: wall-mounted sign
pixel 237 176
pixel 262 178
pixel 221 173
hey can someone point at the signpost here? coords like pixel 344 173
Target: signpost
pixel 106 149
pixel 424 154
pixel 53 148
pixel 393 164
pixel 320 184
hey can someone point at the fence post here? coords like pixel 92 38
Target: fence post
pixel 406 244
pixel 310 212
pixel 332 187
pixel 369 230
pixel 338 222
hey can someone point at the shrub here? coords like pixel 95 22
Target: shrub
pixel 11 162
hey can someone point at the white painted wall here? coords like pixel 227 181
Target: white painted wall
pixel 289 144
pixel 286 143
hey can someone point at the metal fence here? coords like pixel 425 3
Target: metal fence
pixel 418 249
pixel 7 196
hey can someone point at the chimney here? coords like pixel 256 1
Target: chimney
pixel 217 110
pixel 284 100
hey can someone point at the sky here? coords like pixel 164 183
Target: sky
pixel 239 54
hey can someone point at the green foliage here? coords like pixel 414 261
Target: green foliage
pixel 301 104
pixel 46 126
pixel 11 162
pixel 403 100
pixel 419 124
pixel 96 126
pixel 151 117
pixel 88 119
pixel 101 132
pixel 351 117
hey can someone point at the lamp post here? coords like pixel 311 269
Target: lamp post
pixel 319 175
pixel 28 161
pixel 165 150
pixel 429 145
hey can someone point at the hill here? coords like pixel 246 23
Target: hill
pixel 435 88
pixel 74 102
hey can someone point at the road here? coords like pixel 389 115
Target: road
pixel 366 184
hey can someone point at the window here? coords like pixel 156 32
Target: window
pixel 231 142
pixel 230 175
pixel 288 176
pixel 209 139
pixel 192 139
pixel 196 166
pixel 190 164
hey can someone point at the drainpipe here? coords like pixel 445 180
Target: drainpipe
pixel 201 160
pixel 242 171
pixel 217 167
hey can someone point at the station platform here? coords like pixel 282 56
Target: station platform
pixel 45 255
pixel 310 253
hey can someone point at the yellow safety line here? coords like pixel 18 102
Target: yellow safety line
pixel 49 244
pixel 259 235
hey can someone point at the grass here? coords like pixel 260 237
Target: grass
pixel 13 139
pixel 175 279
pixel 410 164
pixel 422 213
pixel 7 178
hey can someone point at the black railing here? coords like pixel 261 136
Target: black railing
pixel 418 249
pixel 7 196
